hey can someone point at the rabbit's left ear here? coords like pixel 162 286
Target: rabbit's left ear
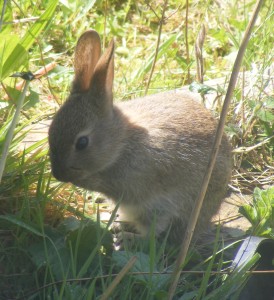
pixel 103 76
pixel 87 54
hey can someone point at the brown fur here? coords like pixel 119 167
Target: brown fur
pixel 149 153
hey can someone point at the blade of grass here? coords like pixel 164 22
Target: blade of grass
pixel 233 285
pixel 14 220
pixel 11 129
pixel 3 13
pixel 84 10
pixel 206 277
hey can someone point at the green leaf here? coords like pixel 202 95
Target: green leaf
pixel 30 100
pixel 155 281
pixel 249 212
pixel 51 253
pixel 87 240
pixel 17 51
pixel 9 43
pixel 69 224
pixel 189 296
pixel 201 88
pixel 84 9
pixel 269 102
pixel 263 110
pixel 14 220
pixel 265 115
pixel 260 212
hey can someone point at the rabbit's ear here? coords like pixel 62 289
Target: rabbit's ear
pixel 87 54
pixel 102 81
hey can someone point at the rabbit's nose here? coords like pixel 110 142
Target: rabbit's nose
pixel 59 171
pixel 60 174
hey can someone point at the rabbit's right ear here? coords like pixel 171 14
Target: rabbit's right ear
pixel 87 54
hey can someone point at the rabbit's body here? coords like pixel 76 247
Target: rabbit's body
pixel 149 154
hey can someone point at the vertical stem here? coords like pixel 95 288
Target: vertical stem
pixel 2 14
pixel 187 45
pixel 199 201
pixel 118 278
pixel 9 135
pixel 199 54
pixel 157 46
pixel 105 23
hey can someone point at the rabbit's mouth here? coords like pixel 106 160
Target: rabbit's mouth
pixel 76 169
pixel 66 174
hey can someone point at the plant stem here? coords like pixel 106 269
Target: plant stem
pixel 199 201
pixel 118 278
pixel 199 54
pixel 187 44
pixel 157 46
pixel 9 136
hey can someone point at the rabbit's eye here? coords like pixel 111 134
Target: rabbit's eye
pixel 81 143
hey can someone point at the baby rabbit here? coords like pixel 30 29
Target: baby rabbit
pixel 150 154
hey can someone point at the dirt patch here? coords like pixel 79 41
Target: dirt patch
pixel 233 223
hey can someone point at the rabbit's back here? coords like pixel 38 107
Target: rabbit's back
pixel 170 111
pixel 170 136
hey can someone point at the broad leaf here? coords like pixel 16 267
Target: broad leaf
pixel 17 51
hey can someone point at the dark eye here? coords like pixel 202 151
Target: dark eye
pixel 81 143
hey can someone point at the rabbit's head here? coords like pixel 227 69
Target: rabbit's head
pixel 82 136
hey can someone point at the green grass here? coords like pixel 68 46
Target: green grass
pixel 52 246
